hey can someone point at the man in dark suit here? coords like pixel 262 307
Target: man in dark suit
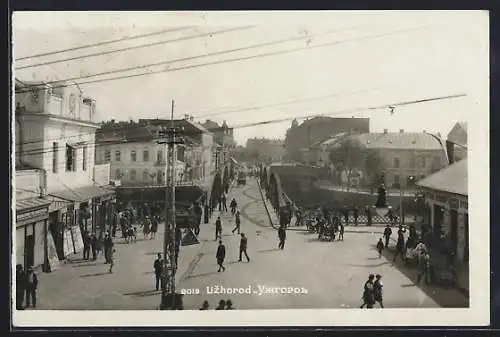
pixel 221 255
pixel 20 286
pixel 243 247
pixel 31 285
pixel 158 267
pixel 282 237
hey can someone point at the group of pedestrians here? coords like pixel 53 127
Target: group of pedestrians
pixel 223 305
pixel 221 252
pixel 372 292
pixel 26 285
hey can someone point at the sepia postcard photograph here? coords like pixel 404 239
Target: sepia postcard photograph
pixel 297 168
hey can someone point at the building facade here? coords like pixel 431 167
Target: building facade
pixel 405 157
pixel 446 195
pixel 223 139
pixel 55 133
pixel 266 150
pixel 137 156
pixel 318 129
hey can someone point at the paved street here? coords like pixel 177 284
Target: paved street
pixel 326 274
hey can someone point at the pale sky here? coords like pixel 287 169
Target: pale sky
pixel 416 55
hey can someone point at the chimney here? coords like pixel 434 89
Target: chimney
pixel 401 131
pixel 385 131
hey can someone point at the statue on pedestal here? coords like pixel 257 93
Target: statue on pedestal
pixel 382 199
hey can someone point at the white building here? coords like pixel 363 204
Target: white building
pixel 55 134
pixel 136 158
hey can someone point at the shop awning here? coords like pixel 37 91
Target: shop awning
pixel 31 204
pixel 82 194
pixel 451 179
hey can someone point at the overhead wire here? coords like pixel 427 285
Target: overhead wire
pixel 233 60
pixel 250 108
pixel 102 43
pixel 281 120
pixel 141 46
pixel 194 57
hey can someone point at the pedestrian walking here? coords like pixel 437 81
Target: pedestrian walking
pixel 93 246
pixel 31 286
pixel 111 257
pixel 218 228
pixel 86 245
pixel 356 215
pixel 158 269
pixel 243 247
pixel 233 206
pixel 377 290
pixel 154 227
pixel 387 234
pixel 205 305
pixel 224 202
pixel 108 246
pixel 222 305
pixel 221 255
pixel 341 231
pixel 424 260
pixel 368 298
pixel 237 222
pixel 20 286
pixel 400 247
pixel 380 247
pixel 368 212
pixel 282 237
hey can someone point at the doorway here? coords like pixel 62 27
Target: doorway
pixel 29 250
pixel 438 220
pixel 454 231
pixel 466 235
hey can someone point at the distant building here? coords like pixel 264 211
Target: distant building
pixel 304 135
pixel 403 155
pixel 55 140
pixel 266 150
pixel 223 137
pixel 458 137
pixel 136 157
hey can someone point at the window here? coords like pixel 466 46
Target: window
pixel 422 161
pixel 84 159
pixel 159 156
pixel 396 182
pixel 107 155
pixel 145 175
pixel 413 161
pixel 118 174
pixel 395 162
pixel 159 176
pixel 55 156
pixel 180 154
pixel 133 156
pixel 70 158
pixel 118 155
pixel 145 155
pixel 133 175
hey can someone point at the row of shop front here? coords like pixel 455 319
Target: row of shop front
pixel 50 228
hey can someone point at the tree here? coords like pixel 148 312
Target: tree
pixel 373 166
pixel 347 156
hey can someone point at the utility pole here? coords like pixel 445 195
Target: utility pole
pixel 169 296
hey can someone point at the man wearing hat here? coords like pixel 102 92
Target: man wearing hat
pixel 31 285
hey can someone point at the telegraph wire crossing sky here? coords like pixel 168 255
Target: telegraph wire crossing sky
pixel 436 61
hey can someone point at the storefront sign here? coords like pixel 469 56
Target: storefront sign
pixel 454 204
pixel 33 214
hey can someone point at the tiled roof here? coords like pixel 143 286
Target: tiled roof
pixel 31 203
pixel 399 140
pixel 452 179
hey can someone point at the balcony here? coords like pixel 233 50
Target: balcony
pixel 29 183
pixel 102 174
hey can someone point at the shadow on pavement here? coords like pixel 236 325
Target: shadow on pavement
pixel 85 264
pixel 268 250
pixel 368 265
pixel 445 297
pixel 95 274
pixel 144 293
